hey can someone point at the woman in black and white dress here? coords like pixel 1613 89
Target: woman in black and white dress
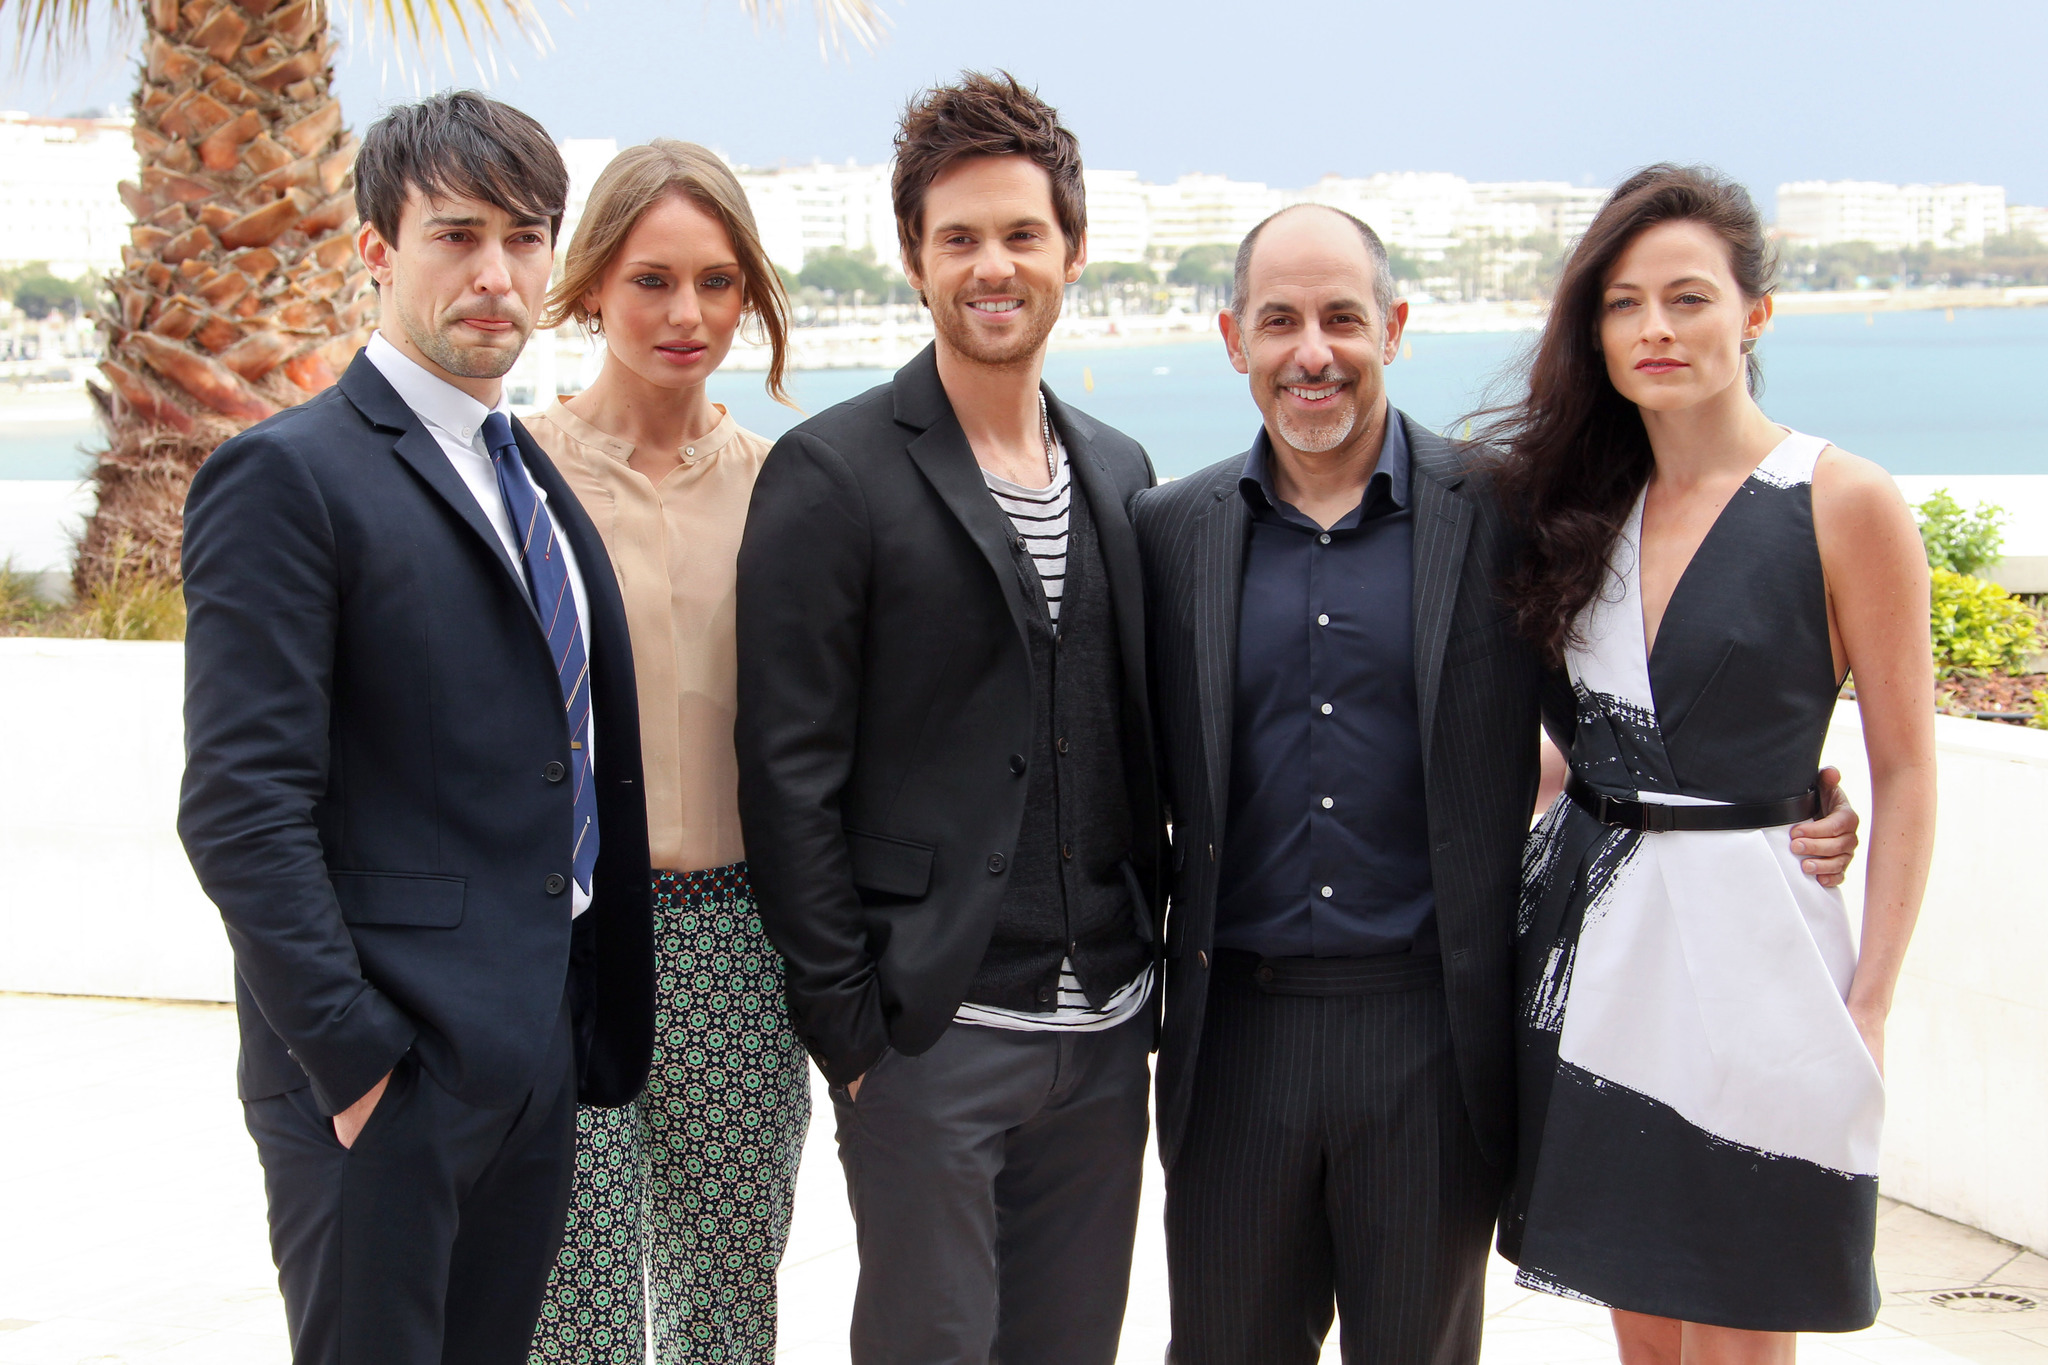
pixel 1702 1033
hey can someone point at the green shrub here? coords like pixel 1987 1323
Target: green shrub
pixel 2040 720
pixel 1964 541
pixel 19 604
pixel 1979 626
pixel 130 604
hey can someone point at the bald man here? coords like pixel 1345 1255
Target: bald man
pixel 1349 728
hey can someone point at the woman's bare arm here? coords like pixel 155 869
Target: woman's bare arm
pixel 1878 612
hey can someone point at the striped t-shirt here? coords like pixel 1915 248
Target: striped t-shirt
pixel 1040 516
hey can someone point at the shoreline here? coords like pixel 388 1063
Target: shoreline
pixel 880 345
pixel 885 346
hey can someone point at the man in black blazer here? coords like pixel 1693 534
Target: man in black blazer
pixel 412 779
pixel 945 774
pixel 1349 727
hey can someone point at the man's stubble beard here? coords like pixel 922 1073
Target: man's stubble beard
pixel 958 332
pixel 478 362
pixel 1314 440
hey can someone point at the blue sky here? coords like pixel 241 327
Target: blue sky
pixel 1490 89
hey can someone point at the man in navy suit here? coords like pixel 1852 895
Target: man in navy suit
pixel 413 779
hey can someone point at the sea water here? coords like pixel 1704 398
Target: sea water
pixel 1918 392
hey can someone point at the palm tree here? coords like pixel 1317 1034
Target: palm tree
pixel 240 292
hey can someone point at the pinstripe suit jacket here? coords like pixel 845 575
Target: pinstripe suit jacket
pixel 1477 687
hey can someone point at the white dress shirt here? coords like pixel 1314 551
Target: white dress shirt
pixel 455 421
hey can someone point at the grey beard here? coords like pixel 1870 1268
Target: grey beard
pixel 1317 439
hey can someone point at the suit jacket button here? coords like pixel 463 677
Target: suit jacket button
pixel 1017 764
pixel 555 882
pixel 554 772
pixel 997 862
pixel 1044 994
pixel 1202 958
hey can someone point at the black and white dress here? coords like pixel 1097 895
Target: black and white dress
pixel 1699 1116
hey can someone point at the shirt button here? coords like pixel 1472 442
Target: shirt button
pixel 1328 803
pixel 1324 537
pixel 1327 893
pixel 997 862
pixel 1323 620
pixel 689 450
pixel 555 882
pixel 1017 764
pixel 1060 744
pixel 1067 852
pixel 1327 708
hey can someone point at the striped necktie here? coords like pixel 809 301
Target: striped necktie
pixel 547 574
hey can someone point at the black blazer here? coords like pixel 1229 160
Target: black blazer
pixel 885 705
pixel 1477 693
pixel 371 720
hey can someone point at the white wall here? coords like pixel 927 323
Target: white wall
pixel 96 897
pixel 1966 1049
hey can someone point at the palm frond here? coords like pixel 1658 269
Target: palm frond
pixel 862 20
pixel 54 29
pixel 430 28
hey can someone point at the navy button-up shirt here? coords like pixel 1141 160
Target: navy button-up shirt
pixel 1326 847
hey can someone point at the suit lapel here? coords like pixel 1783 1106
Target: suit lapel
pixel 1443 525
pixel 1115 539
pixel 1218 603
pixel 945 458
pixel 418 448
pixel 373 396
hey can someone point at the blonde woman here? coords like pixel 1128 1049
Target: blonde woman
pixel 693 1182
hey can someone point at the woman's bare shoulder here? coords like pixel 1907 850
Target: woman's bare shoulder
pixel 1848 485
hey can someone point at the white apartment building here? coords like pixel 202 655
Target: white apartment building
pixel 1891 217
pixel 802 210
pixel 58 201
pixel 2027 218
pixel 1119 216
pixel 1205 210
pixel 1423 214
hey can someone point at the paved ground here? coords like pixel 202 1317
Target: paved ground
pixel 132 1212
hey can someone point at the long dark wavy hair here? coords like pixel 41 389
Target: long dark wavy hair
pixel 1576 453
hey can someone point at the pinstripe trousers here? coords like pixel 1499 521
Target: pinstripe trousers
pixel 1328 1163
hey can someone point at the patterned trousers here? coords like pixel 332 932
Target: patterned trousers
pixel 682 1198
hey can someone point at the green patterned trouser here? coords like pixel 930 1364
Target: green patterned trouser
pixel 691 1184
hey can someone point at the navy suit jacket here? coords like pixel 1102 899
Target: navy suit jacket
pixel 372 796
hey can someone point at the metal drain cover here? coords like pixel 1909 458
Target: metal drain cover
pixel 1983 1301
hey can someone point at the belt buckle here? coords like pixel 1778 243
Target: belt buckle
pixel 1657 817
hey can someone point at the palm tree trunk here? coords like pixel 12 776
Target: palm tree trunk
pixel 241 292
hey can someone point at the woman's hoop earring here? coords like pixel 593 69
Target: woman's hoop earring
pixel 596 324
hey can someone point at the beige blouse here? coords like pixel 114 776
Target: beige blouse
pixel 674 548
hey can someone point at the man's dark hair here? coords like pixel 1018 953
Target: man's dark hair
pixel 1382 269
pixel 984 116
pixel 460 144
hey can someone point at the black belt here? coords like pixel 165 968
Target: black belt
pixel 1385 975
pixel 1659 818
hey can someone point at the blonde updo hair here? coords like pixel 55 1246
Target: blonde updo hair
pixel 636 180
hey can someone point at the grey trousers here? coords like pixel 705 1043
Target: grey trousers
pixel 994 1184
pixel 1327 1164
